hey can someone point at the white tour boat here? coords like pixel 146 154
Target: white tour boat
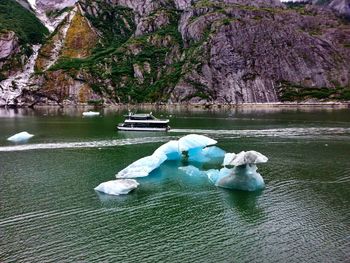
pixel 143 122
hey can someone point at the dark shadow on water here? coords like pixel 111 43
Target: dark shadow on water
pixel 245 203
pixel 113 200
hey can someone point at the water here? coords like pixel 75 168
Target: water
pixel 49 211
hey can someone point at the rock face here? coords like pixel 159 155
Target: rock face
pixel 180 51
pixel 341 6
pixel 8 45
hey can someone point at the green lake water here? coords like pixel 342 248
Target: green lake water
pixel 49 211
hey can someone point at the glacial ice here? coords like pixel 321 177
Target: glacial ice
pixel 20 137
pixel 208 154
pixel 170 149
pixel 213 152
pixel 228 158
pixel 142 167
pixel 192 171
pixel 193 141
pixel 117 187
pixel 243 176
pixel 90 113
pixel 249 157
pixel 214 175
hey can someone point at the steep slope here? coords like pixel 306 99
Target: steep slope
pixel 20 34
pixel 341 7
pixel 230 51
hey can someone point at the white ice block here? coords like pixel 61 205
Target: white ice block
pixel 90 113
pixel 117 187
pixel 142 167
pixel 19 137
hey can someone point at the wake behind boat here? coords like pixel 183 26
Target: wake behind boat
pixel 143 122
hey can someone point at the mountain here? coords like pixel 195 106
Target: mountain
pixel 177 51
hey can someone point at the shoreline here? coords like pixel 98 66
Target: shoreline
pixel 344 105
pixel 206 106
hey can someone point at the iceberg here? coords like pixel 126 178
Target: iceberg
pixel 193 141
pixel 171 150
pixel 117 187
pixel 142 167
pixel 90 113
pixel 19 137
pixel 243 177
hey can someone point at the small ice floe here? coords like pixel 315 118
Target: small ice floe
pixel 117 187
pixel 90 113
pixel 20 137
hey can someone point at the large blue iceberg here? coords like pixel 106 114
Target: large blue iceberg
pixel 239 170
pixel 171 150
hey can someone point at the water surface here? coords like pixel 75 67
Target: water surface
pixel 49 211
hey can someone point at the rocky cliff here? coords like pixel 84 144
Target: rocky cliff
pixel 228 51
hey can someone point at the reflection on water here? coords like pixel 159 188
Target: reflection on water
pixel 245 203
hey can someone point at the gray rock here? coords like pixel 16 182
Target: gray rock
pixel 8 45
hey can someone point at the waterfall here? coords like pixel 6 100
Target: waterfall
pixel 11 88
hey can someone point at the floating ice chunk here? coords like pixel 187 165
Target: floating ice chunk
pixel 192 171
pixel 90 113
pixel 170 149
pixel 142 167
pixel 19 137
pixel 250 157
pixel 117 187
pixel 243 177
pixel 193 141
pixel 228 158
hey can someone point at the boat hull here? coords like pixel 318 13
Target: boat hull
pixel 142 129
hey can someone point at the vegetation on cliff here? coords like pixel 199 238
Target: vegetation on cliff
pixel 210 51
pixel 14 17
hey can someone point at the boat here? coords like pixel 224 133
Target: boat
pixel 143 122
